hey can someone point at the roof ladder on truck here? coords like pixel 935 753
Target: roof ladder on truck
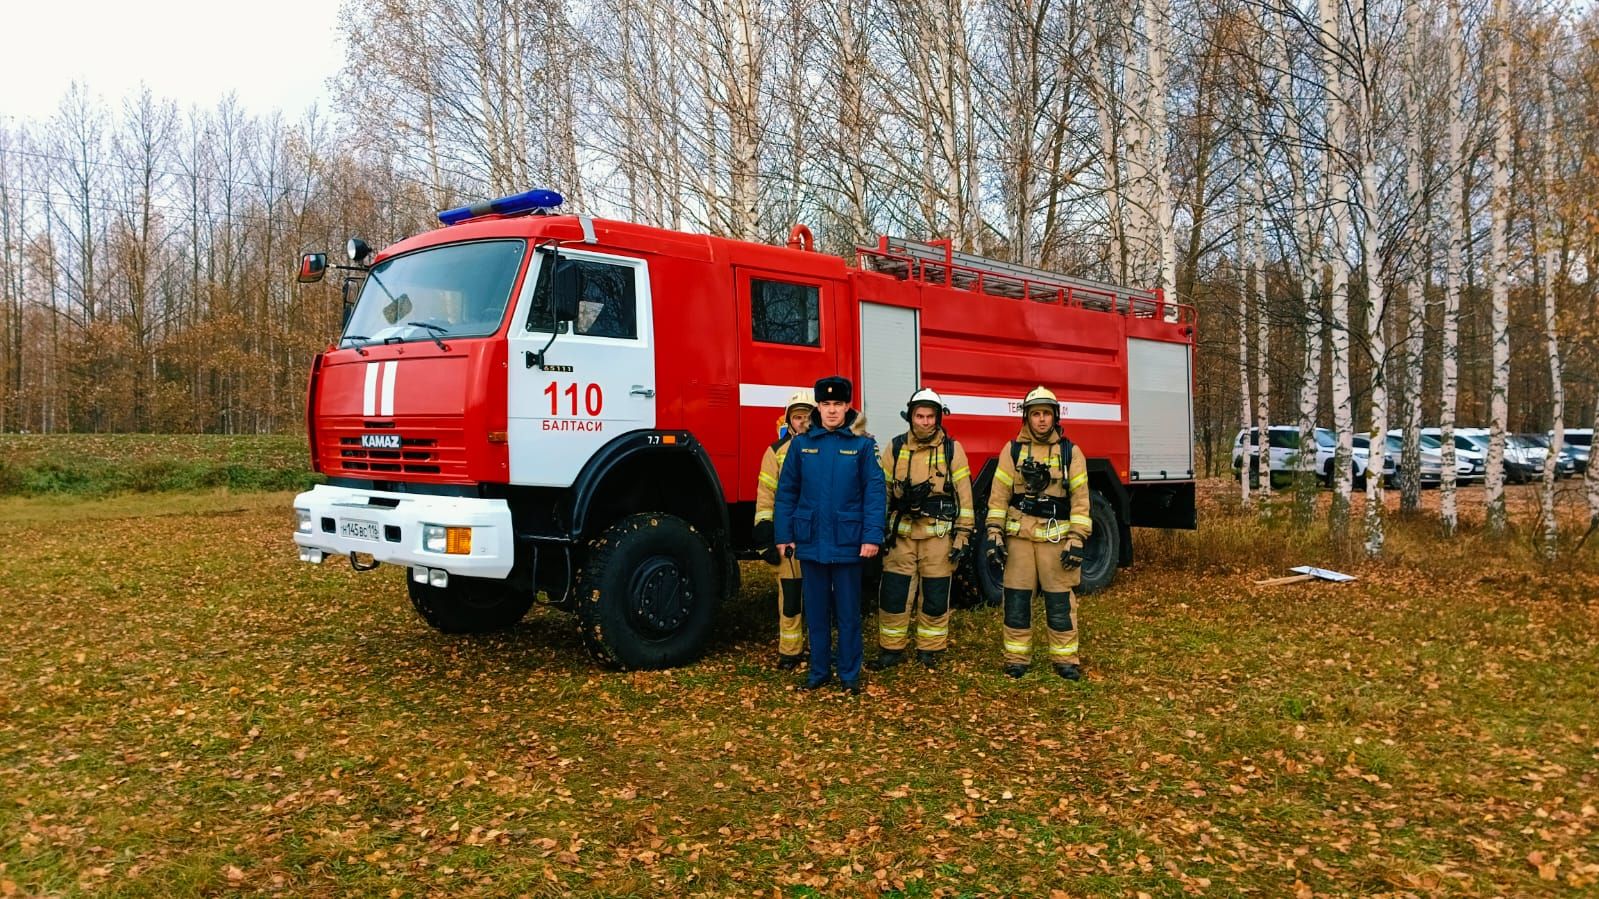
pixel 937 262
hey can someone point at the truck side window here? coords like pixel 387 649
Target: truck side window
pixel 786 313
pixel 607 299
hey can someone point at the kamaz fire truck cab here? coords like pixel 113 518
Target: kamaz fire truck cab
pixel 526 403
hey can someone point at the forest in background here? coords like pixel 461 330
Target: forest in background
pixel 1382 210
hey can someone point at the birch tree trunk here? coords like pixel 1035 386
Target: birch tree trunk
pixel 1157 16
pixel 1310 296
pixel 1376 299
pixel 1338 265
pixel 1547 239
pixel 1410 369
pixel 1262 457
pixel 1455 213
pixel 1498 404
pixel 1257 290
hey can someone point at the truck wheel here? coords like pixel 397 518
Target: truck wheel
pixel 469 605
pixel 648 593
pixel 1104 546
pixel 978 582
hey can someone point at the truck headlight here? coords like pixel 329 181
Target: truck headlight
pixel 455 541
pixel 303 524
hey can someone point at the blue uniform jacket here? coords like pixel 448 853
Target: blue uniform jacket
pixel 830 496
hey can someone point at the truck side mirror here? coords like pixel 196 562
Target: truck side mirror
pixel 312 267
pixel 565 290
pixel 346 300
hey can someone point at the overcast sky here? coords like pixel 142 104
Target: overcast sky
pixel 275 54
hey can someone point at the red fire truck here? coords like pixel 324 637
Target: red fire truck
pixel 524 402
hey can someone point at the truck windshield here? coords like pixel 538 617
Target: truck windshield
pixel 457 290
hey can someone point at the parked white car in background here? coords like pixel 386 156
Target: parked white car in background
pixel 1579 441
pixel 1464 449
pixel 1283 446
pixel 1469 461
pixel 1537 450
pixel 1523 459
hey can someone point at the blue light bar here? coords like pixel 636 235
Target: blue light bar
pixel 538 200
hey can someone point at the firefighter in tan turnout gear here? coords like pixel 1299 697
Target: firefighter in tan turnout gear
pixel 930 523
pixel 790 599
pixel 1038 522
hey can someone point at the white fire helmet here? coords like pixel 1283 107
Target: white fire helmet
pixel 927 396
pixel 1040 396
pixel 802 397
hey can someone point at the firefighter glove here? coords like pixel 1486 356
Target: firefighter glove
pixel 1071 558
pixel 764 533
pixel 958 547
pixel 770 556
pixel 996 547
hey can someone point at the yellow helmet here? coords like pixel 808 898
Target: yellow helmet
pixel 802 397
pixel 1040 396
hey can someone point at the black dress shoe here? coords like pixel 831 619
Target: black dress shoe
pixel 812 683
pixel 1069 671
pixel 887 659
pixel 1015 670
pixel 853 686
pixel 788 663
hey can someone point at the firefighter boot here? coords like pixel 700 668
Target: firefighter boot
pixel 893 619
pixel 1059 614
pixel 886 659
pixel 929 658
pixel 1018 631
pixel 932 619
pixel 790 624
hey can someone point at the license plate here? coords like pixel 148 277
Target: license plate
pixel 380 441
pixel 360 530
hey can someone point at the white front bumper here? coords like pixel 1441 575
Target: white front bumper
pixel 399 517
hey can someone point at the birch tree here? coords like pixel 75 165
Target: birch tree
pixel 1260 462
pixel 1296 151
pixel 1330 38
pixel 1499 271
pixel 1415 271
pixel 1547 249
pixel 1454 215
pixel 1371 254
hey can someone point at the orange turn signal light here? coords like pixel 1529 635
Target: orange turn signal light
pixel 458 541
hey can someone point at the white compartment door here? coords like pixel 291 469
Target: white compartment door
pixel 891 367
pixel 1161 412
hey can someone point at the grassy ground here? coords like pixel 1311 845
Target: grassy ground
pixel 107 464
pixel 186 710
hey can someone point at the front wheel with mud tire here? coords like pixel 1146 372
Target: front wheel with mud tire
pixel 469 605
pixel 648 593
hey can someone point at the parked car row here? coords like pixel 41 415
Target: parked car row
pixel 1525 455
pixel 1283 445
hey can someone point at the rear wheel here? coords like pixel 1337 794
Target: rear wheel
pixel 648 593
pixel 1103 551
pixel 978 581
pixel 982 581
pixel 469 605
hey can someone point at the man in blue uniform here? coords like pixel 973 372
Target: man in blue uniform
pixel 829 513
